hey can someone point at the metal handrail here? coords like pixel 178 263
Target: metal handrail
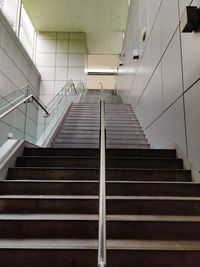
pixel 66 87
pixel 102 191
pixel 28 98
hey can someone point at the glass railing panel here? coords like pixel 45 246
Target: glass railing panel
pixel 6 129
pixel 13 124
pixel 28 120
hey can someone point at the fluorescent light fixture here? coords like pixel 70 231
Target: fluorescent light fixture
pixel 129 2
pixel 101 70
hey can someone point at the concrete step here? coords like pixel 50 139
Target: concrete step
pixel 31 151
pixel 125 146
pixel 71 145
pixel 151 227
pixel 124 174
pixel 139 205
pixel 81 124
pixel 58 161
pixel 80 128
pixel 153 205
pixel 148 188
pixel 130 174
pixel 49 187
pixel 112 141
pixel 83 140
pixel 91 187
pixel 31 204
pixel 42 173
pixel 76 136
pixel 85 226
pixel 126 253
pixel 116 136
pixel 92 162
pixel 50 226
pixel 150 153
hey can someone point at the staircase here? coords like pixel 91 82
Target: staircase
pixel 80 128
pixel 49 202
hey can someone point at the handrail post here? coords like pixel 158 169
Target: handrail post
pixel 102 191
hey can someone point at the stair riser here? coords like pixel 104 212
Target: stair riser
pixel 149 189
pixel 153 207
pixel 70 146
pixel 110 141
pixel 48 258
pixel 77 136
pixel 114 174
pixel 54 206
pixel 48 229
pixel 153 230
pixel 150 153
pixel 94 163
pixel 148 175
pixel 88 258
pixel 35 188
pixel 53 174
pixel 86 188
pixel 61 152
pixel 153 258
pixel 144 163
pixel 76 141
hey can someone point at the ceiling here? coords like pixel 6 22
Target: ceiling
pixel 104 21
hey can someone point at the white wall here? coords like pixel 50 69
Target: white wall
pixel 16 71
pixel 93 81
pixel 61 56
pixel 163 85
pixel 16 68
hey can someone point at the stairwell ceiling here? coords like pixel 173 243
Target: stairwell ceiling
pixel 104 21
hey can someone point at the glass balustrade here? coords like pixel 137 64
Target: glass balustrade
pixel 29 121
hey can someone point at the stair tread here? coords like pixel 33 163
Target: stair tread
pixel 94 217
pixel 50 217
pixel 84 244
pixel 82 197
pixel 51 197
pixel 153 218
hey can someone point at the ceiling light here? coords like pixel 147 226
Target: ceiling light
pixel 101 70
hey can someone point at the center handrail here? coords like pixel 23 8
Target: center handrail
pixel 25 100
pixel 102 191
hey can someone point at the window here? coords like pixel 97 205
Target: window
pixel 26 32
pixel 10 8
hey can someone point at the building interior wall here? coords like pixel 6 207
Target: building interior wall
pixel 60 56
pixel 95 81
pixel 16 68
pixel 163 85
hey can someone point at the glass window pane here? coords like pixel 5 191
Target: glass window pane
pixel 9 8
pixel 26 34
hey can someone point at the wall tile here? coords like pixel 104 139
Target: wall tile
pixel 193 125
pixel 77 47
pixel 61 60
pixel 45 60
pixel 168 24
pixel 172 72
pixel 62 46
pixel 61 74
pixel 76 60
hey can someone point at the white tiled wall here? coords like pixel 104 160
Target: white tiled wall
pixel 61 56
pixel 16 68
pixel 163 85
pixel 16 72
